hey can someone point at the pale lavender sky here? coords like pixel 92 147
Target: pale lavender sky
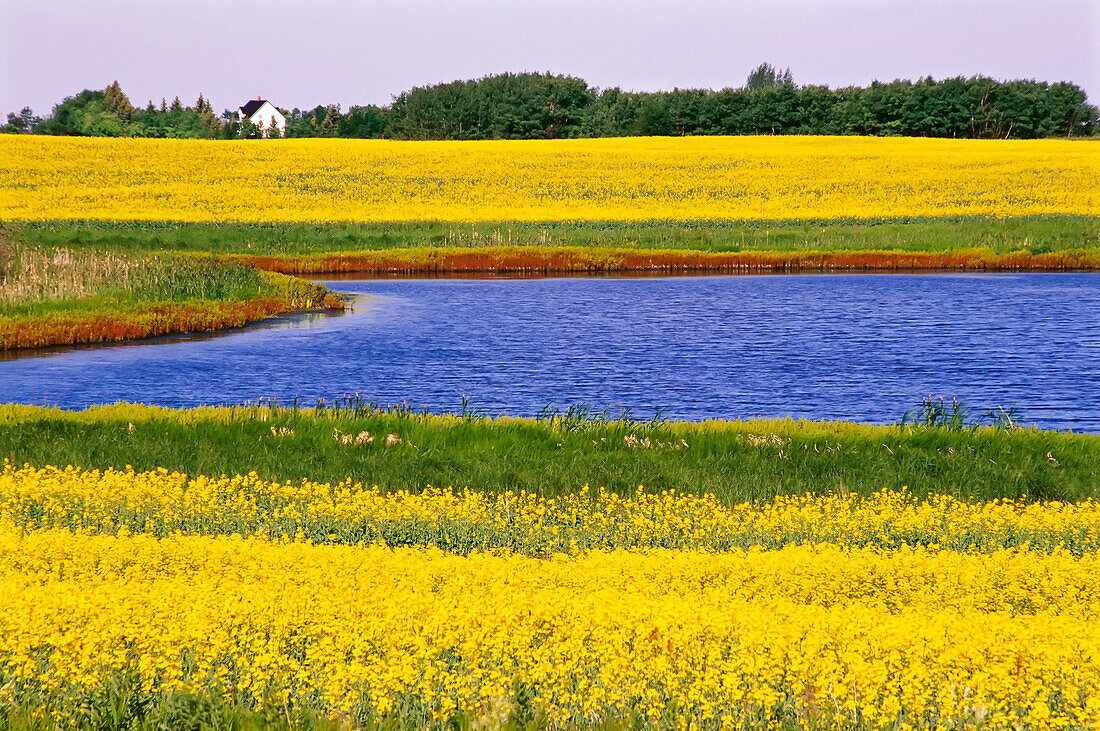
pixel 301 53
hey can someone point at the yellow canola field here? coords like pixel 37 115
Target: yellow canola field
pixel 805 635
pixel 162 502
pixel 630 179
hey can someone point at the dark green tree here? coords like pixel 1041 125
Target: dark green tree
pixel 536 106
pixel 23 123
pixel 766 76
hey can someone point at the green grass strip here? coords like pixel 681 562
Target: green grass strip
pixel 1035 234
pixel 736 461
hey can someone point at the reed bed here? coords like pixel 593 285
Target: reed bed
pixel 64 296
pixel 30 274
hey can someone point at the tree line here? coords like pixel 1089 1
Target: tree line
pixel 549 106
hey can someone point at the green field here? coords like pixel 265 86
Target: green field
pixel 1037 234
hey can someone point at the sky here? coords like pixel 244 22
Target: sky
pixel 349 52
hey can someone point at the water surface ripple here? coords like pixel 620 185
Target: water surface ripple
pixel 854 347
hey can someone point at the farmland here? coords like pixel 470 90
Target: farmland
pixel 152 597
pixel 678 179
pixel 357 565
pixel 900 562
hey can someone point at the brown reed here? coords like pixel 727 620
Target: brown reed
pixel 31 274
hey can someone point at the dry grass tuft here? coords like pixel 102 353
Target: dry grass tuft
pixel 31 274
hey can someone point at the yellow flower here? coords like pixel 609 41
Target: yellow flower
pixel 632 179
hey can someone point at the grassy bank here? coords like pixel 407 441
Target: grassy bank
pixel 735 461
pixel 1017 244
pixel 1034 234
pixel 590 260
pixel 51 295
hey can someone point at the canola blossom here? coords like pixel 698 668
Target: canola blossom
pixel 630 179
pixel 804 635
pixel 162 503
pixel 458 607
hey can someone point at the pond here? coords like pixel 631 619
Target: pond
pixel 855 347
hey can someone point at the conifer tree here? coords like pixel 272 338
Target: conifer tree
pixel 329 124
pixel 116 101
pixel 766 76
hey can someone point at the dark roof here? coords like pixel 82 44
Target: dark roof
pixel 250 107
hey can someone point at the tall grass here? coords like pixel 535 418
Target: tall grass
pixel 65 295
pixel 30 274
pixel 35 274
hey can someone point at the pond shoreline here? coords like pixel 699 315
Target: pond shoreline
pixel 586 260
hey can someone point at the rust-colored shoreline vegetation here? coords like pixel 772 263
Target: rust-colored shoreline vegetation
pixel 571 259
pixel 1022 243
pixel 57 296
pixel 168 318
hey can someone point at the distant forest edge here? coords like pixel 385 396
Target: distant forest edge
pixel 548 106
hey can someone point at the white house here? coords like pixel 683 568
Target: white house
pixel 263 114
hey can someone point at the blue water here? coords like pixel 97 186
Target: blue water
pixel 854 347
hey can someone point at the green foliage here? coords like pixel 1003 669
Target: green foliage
pixel 546 106
pixel 364 122
pixel 246 130
pixel 25 122
pixel 76 115
pixel 117 102
pixel 506 106
pixel 766 76
pixel 736 461
pixel 534 106
pixel 109 113
pixel 1037 234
